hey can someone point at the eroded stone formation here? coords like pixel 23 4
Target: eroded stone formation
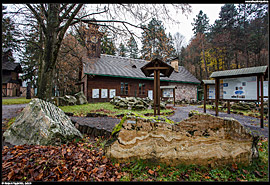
pixel 134 103
pixel 41 123
pixel 77 99
pixel 201 139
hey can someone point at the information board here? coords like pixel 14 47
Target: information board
pixel 167 93
pixel 150 94
pixel 265 89
pixel 242 88
pixel 95 93
pixel 211 92
pixel 104 93
pixel 112 93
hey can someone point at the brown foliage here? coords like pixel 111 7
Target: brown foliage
pixel 69 65
pixel 72 162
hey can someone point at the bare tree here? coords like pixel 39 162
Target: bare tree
pixel 179 42
pixel 55 19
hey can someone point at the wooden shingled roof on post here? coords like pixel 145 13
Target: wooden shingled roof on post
pixel 157 64
pixel 157 67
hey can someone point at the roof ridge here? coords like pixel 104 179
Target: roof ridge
pixel 127 58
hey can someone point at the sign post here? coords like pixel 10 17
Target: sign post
pixel 240 85
pixel 157 67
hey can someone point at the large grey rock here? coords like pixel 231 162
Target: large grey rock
pixel 81 99
pixel 41 123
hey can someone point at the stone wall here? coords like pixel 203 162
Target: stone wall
pixel 201 139
pixel 185 91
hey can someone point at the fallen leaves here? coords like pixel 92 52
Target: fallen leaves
pixel 73 162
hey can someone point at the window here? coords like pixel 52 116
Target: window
pixel 141 89
pixel 124 88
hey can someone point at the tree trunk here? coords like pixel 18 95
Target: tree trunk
pixel 217 64
pixel 206 70
pixel 247 59
pixel 51 48
pixel 236 61
pixel 40 61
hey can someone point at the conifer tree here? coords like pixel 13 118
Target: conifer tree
pixel 156 43
pixel 107 45
pixel 132 48
pixel 122 50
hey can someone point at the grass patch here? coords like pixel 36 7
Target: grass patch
pixel 12 101
pixel 108 108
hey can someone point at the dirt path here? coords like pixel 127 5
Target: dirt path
pixel 10 111
pixel 249 122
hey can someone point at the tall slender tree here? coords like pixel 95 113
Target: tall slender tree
pixel 54 20
pixel 132 48
pixel 10 34
pixel 200 27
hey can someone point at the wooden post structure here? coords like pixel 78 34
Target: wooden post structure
pixel 156 92
pixel 216 94
pixel 157 66
pixel 174 97
pixel 262 101
pixel 228 107
pixel 204 98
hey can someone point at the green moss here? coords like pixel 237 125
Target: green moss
pixel 10 122
pixel 118 127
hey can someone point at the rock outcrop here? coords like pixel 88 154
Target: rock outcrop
pixel 81 99
pixel 41 123
pixel 201 139
pixel 67 100
pixel 77 99
pixel 134 103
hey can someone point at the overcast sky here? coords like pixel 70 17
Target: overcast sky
pixel 185 28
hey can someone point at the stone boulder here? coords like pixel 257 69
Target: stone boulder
pixel 240 106
pixel 67 100
pixel 202 139
pixel 81 99
pixel 41 123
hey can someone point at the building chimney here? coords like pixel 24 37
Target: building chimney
pixel 93 39
pixel 174 64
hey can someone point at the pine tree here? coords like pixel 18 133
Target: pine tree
pixel 200 27
pixel 9 36
pixel 107 45
pixel 132 48
pixel 122 50
pixel 156 43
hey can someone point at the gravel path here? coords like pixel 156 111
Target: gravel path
pixel 249 122
pixel 10 111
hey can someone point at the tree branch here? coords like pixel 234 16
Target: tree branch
pixel 63 29
pixel 67 12
pixel 116 21
pixel 37 17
